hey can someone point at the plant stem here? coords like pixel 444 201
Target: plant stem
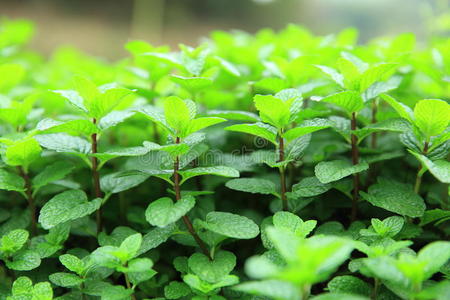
pixel 30 199
pixel 306 291
pixel 127 282
pixel 373 144
pixel 376 286
pixel 355 161
pixel 282 175
pixel 419 176
pixel 96 179
pixel 186 220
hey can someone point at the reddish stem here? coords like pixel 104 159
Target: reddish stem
pixel 282 175
pixel 355 161
pixel 96 179
pixel 186 219
pixel 30 199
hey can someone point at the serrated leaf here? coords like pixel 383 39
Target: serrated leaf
pixel 349 284
pixel 113 118
pixel 350 101
pixel 23 152
pixel 177 114
pixel 230 225
pixel 176 290
pixel 216 170
pixel 272 110
pixel 11 182
pixel 163 211
pixel 439 168
pixel 306 127
pixel 192 84
pixel 201 123
pixel 275 289
pixel 309 187
pixel 13 241
pixel 329 171
pixel 118 182
pixel 395 197
pixel 432 116
pixel 25 261
pixel 65 279
pixel 61 142
pixel 252 185
pixel 212 271
pixel 293 223
pixel 404 111
pixel 72 263
pixel 51 173
pixel 69 205
pixel 259 129
pixel 234 115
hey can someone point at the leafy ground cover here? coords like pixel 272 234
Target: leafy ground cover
pixel 279 165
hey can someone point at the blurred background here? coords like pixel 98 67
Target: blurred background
pixel 101 27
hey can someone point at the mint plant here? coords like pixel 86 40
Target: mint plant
pixel 278 112
pixel 132 179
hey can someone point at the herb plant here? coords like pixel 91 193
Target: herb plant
pixel 152 177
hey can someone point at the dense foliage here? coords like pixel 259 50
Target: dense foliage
pixel 280 165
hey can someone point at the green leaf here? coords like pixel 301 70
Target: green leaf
pixel 163 211
pixel 252 185
pixel 11 182
pixel 395 197
pixel 73 127
pixel 338 296
pixel 116 292
pixel 22 285
pixel 389 227
pixel 215 270
pixel 25 261
pixel 23 152
pixel 434 215
pixel 192 84
pixel 433 256
pixel 272 110
pixel 293 223
pixel 72 263
pixel 259 129
pixel 230 225
pixel 66 206
pixel 156 237
pixel 374 74
pixel 176 290
pixel 177 115
pixel 234 115
pixel 350 101
pixel 65 279
pixel 113 118
pixel 404 111
pixel 333 74
pixel 432 116
pixel 13 241
pixel 42 291
pixel 61 142
pixel 217 170
pixel 309 187
pixel 349 284
pixel 329 171
pixel 306 127
pixel 275 289
pixel 201 123
pixel 130 246
pixel 118 182
pixel 51 173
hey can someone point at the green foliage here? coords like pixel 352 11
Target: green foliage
pixel 227 170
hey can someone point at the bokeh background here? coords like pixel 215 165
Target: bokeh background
pixel 101 27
